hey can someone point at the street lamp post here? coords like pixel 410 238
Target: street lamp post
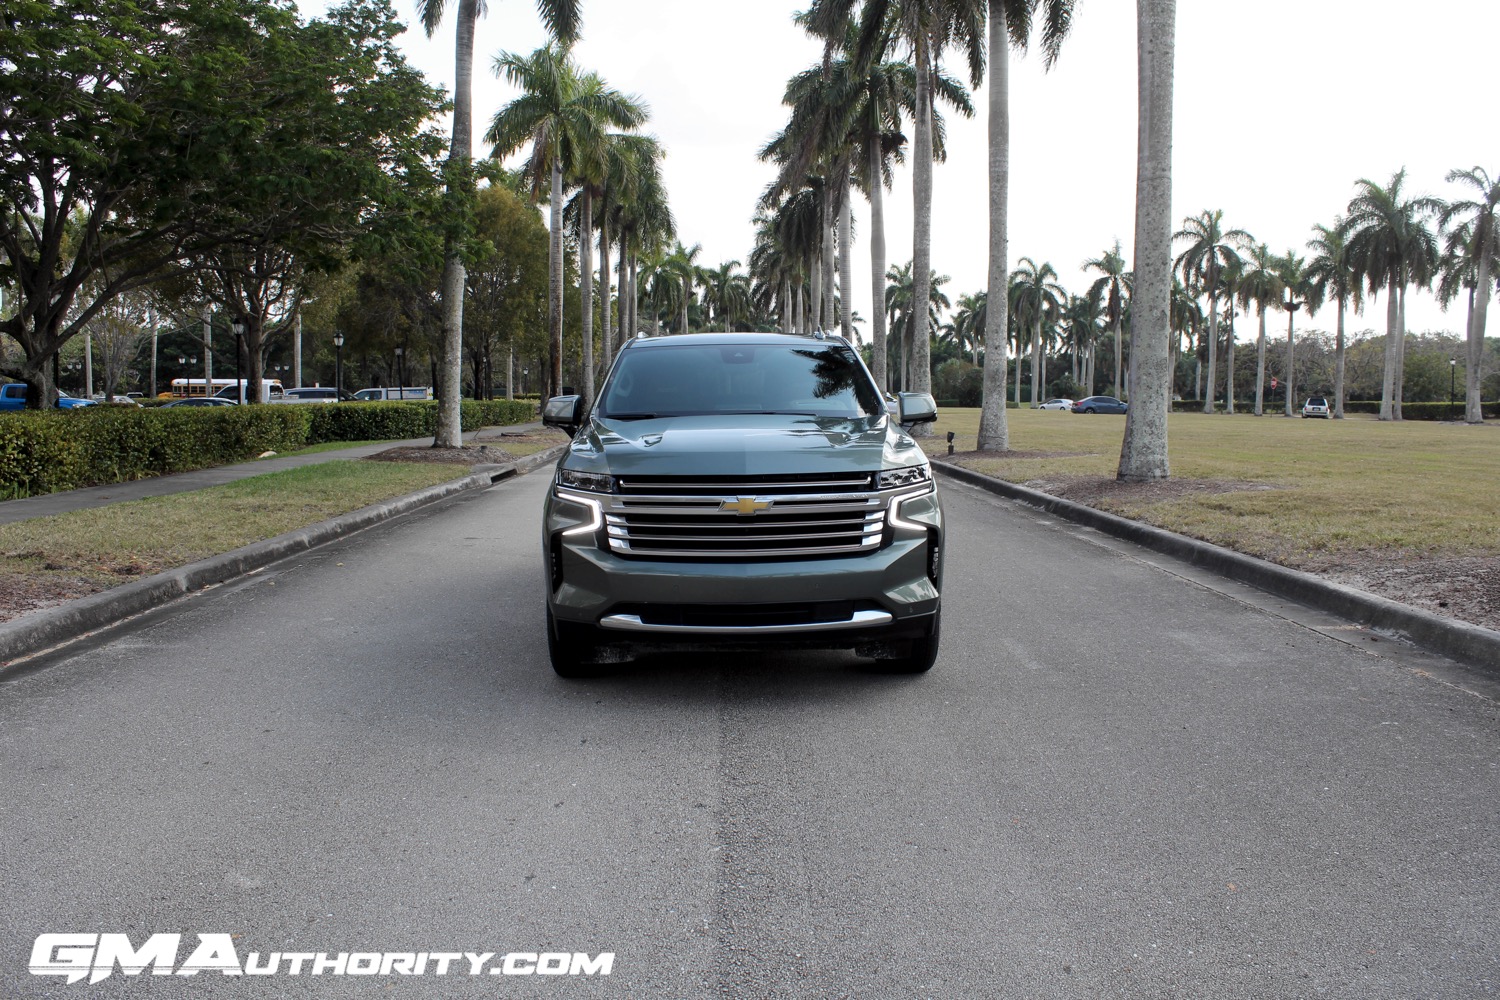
pixel 338 365
pixel 1452 385
pixel 238 326
pixel 401 372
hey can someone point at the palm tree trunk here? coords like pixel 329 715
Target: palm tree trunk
pixel 1473 409
pixel 921 367
pixel 1119 359
pixel 586 290
pixel 994 429
pixel 1392 321
pixel 1036 362
pixel 1260 364
pixel 1338 366
pixel 1400 357
pixel 607 333
pixel 826 259
pixel 846 263
pixel 1143 453
pixel 449 433
pixel 877 269
pixel 1229 364
pixel 786 305
pixel 1211 368
pixel 555 285
pixel 687 293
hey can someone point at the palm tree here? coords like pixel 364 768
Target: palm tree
pixel 645 226
pixel 1143 453
pixel 1391 247
pixel 929 28
pixel 1209 249
pixel 562 20
pixel 1300 289
pixel 1475 243
pixel 1041 297
pixel 1083 318
pixel 1112 287
pixel 564 114
pixel 1229 280
pixel 1185 315
pixel 1010 24
pixel 628 158
pixel 968 322
pixel 682 263
pixel 1261 284
pixel 1332 271
pixel 900 296
pixel 726 290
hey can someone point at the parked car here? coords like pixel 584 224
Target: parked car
pixel 1316 406
pixel 1057 404
pixel 200 401
pixel 13 397
pixel 734 490
pixel 1099 404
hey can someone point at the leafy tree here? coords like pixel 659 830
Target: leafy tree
pixel 507 285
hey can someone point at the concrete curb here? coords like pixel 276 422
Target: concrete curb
pixel 70 621
pixel 1469 644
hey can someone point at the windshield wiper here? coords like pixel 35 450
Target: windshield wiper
pixel 630 416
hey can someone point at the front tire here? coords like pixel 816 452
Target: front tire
pixel 570 650
pixel 921 656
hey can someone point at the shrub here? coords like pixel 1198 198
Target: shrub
pixel 44 452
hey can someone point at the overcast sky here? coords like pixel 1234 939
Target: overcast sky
pixel 1281 105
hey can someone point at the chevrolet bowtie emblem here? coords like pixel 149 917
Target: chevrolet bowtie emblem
pixel 745 505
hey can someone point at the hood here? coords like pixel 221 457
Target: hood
pixel 740 445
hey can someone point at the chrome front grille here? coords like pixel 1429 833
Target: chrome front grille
pixel 747 518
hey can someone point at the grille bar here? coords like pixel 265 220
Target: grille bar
pixel 687 519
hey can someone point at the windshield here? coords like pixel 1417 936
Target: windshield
pixel 823 380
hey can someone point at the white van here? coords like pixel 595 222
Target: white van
pixel 408 392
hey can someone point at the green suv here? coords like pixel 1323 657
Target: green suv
pixel 741 490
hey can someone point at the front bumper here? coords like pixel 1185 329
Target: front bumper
pixel 887 593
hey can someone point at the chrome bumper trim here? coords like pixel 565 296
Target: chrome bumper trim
pixel 633 623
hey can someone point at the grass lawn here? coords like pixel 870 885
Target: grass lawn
pixel 1301 492
pixel 68 555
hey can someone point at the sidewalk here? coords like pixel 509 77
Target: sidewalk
pixel 183 482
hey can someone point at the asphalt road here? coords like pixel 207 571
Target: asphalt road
pixel 1122 779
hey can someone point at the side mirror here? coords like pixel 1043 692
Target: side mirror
pixel 565 412
pixel 917 408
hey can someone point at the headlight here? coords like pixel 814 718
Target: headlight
pixel 894 479
pixel 591 482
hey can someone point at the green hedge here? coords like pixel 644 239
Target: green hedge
pixel 45 452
